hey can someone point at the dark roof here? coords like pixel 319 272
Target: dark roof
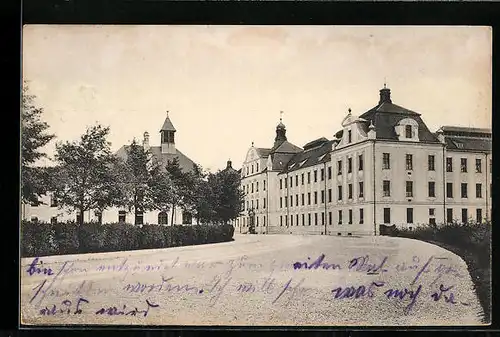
pixel 386 116
pixel 468 144
pixel 286 147
pixel 461 129
pixel 280 160
pixel 185 163
pixel 310 157
pixel 167 125
pixel 262 152
pixel 315 143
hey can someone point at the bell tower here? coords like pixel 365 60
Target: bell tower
pixel 167 133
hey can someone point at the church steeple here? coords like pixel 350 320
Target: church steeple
pixel 280 132
pixel 167 136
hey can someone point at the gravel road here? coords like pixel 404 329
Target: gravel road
pixel 255 280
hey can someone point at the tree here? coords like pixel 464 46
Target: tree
pixel 135 177
pixel 86 179
pixel 162 189
pixel 34 136
pixel 228 196
pixel 178 179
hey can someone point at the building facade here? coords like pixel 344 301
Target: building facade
pixel 166 151
pixel 384 167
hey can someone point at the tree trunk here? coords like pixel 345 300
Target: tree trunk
pixel 173 212
pixel 80 218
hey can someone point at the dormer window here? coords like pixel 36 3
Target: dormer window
pixel 349 136
pixel 408 131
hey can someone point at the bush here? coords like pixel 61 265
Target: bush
pixel 42 239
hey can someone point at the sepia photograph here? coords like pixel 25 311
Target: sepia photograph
pixel 265 176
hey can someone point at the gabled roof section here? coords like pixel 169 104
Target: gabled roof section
pixel 286 147
pixel 315 143
pixel 262 152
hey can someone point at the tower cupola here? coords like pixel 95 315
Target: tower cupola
pixel 168 136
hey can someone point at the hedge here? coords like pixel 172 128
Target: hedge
pixel 471 241
pixel 42 239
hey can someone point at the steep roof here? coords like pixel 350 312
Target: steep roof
pixel 167 125
pixel 185 163
pixel 263 153
pixel 286 147
pixel 386 115
pixel 467 139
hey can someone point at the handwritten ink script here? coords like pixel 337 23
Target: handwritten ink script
pixel 150 289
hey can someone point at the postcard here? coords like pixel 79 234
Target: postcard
pixel 256 175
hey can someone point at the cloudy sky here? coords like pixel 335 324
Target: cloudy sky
pixel 225 85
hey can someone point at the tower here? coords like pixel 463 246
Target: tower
pixel 280 133
pixel 168 137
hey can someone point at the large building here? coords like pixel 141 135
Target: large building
pixel 384 167
pixel 166 151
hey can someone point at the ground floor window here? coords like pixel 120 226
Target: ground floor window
pixel 139 218
pixel 340 217
pixel 329 218
pixel 479 215
pixel 163 218
pixel 187 218
pixel 387 215
pixel 281 220
pixel 464 215
pixel 98 215
pixel 309 219
pixel 322 218
pixel 303 219
pixel 79 217
pixel 432 221
pixel 449 215
pixel 409 215
pixel 122 215
pixel 53 220
pixel 361 216
pixel 350 216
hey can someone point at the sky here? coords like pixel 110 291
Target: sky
pixel 224 86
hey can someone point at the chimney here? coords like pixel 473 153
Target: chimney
pixel 385 95
pixel 145 142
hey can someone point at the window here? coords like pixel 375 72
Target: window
pixel 34 219
pixel 257 221
pixel 296 219
pixel 281 220
pixel 386 184
pixel 479 215
pixel 98 215
pixel 308 198
pixel 449 190
pixel 479 191
pixel 329 195
pixel 309 219
pixel 139 218
pixel 322 174
pixel 464 190
pixel 409 189
pixel 302 178
pixel 387 215
pixel 281 202
pixel 350 217
pixel 247 170
pixel 286 182
pixel 291 181
pixel 431 164
pixel 53 220
pixel 257 206
pixel 323 197
pixel 361 216
pixel 252 168
pixel 361 189
pixel 432 189
pixel 449 164
pixel 264 185
pixel 478 165
pixel 340 217
pixel 329 218
pixel 302 199
pixel 449 215
pixel 329 172
pixel 281 184
pixel 386 161
pixel 315 176
pixel 53 200
pixel 297 180
pixel 315 197
pixel 286 202
pixel 249 207
pixel 122 215
pixel 162 218
pixel 409 162
pixel 432 211
pixel 409 215
pixel 465 218
pixel 349 190
pixel 264 203
pixel 296 200
pixel 360 162
pixel 349 136
pixel 315 219
pixel 339 167
pixel 408 131
pixel 303 219
pixel 349 165
pixel 339 192
pixel 252 203
pixel 257 169
pixel 291 220
pixel 257 187
pixel 308 177
pixel 432 221
pixel 463 165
